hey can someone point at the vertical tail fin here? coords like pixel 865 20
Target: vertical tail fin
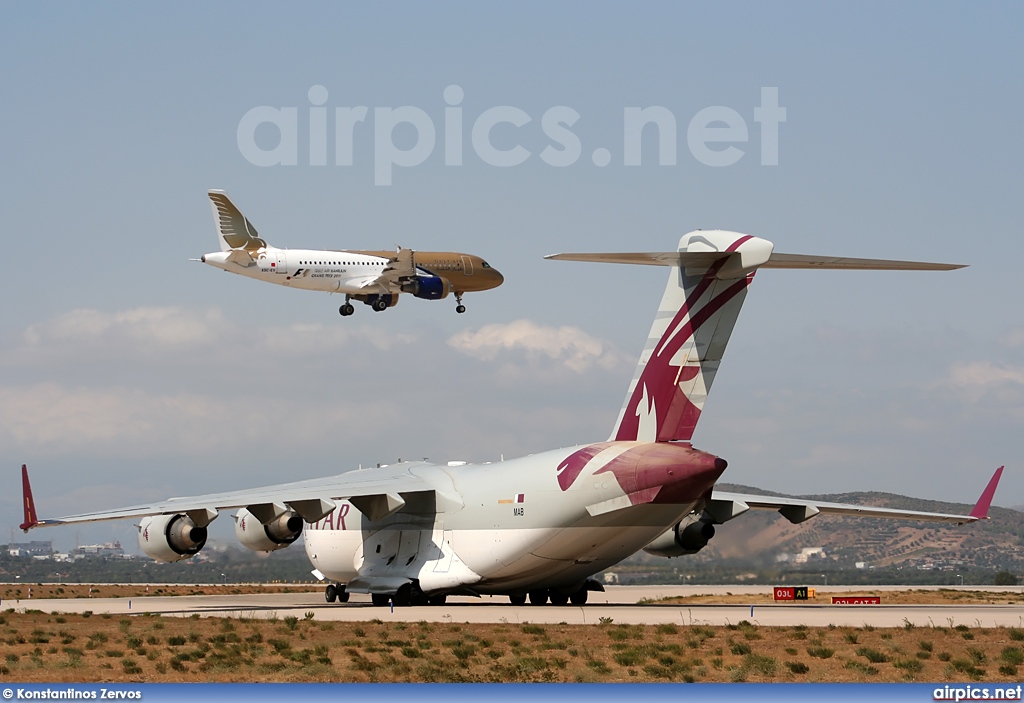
pixel 706 288
pixel 29 504
pixel 708 283
pixel 233 230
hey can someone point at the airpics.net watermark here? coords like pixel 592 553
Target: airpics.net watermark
pixel 711 135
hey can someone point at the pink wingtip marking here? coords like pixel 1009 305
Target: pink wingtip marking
pixel 980 511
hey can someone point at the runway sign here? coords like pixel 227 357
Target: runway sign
pixel 856 600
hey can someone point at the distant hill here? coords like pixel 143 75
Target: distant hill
pixel 759 536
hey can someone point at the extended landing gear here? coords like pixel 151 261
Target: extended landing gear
pixel 346 309
pixel 460 308
pixel 379 305
pixel 335 592
pixel 380 599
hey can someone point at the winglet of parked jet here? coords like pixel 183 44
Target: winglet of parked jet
pixel 980 511
pixel 29 504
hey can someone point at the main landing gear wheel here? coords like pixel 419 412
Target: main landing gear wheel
pixel 379 305
pixel 460 308
pixel 380 598
pixel 538 597
pixel 342 594
pixel 558 598
pixel 331 593
pixel 346 309
pixel 579 597
pixel 517 600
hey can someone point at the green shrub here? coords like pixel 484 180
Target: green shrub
pixel 821 652
pixel 872 655
pixel 1012 655
pixel 798 667
pixel 740 648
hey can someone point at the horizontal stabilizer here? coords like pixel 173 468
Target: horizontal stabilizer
pixel 775 261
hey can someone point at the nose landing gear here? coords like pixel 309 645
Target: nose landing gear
pixel 460 308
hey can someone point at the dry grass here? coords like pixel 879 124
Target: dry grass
pixel 41 647
pixel 131 590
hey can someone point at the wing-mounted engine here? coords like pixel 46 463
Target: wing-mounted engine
pixel 692 533
pixel 170 538
pixel 689 536
pixel 278 533
pixel 427 287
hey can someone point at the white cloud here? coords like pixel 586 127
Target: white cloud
pixel 570 346
pixel 977 378
pixel 153 332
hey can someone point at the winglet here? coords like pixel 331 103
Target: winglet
pixel 980 511
pixel 30 505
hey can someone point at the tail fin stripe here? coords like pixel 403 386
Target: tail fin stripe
pixel 659 381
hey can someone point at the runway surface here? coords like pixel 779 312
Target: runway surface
pixel 619 604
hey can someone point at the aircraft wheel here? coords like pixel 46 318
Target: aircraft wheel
pixel 380 598
pixel 437 600
pixel 519 599
pixel 579 597
pixel 331 593
pixel 538 597
pixel 379 306
pixel 342 595
pixel 558 598
pixel 346 309
pixel 460 309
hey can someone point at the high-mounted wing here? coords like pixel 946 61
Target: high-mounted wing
pixel 725 505
pixel 375 492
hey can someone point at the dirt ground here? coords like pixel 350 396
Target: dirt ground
pixel 41 647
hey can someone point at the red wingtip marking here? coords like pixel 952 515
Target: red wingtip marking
pixel 29 504
pixel 980 511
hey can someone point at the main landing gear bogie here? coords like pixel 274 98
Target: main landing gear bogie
pixel 336 592
pixel 346 309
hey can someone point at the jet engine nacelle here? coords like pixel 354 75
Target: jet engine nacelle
pixel 688 537
pixel 276 534
pixel 170 537
pixel 428 287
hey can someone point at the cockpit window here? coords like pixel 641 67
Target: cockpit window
pixel 485 264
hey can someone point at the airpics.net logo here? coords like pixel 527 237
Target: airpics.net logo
pixel 716 136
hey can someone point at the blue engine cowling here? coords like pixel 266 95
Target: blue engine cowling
pixel 428 287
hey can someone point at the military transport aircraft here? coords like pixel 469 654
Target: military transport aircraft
pixel 541 526
pixel 375 278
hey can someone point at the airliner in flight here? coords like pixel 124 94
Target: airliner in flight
pixel 375 278
pixel 540 527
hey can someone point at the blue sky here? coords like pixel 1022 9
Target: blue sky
pixel 128 373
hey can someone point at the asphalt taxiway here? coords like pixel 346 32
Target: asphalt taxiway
pixel 620 604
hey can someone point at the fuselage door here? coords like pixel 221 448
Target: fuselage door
pixel 467 266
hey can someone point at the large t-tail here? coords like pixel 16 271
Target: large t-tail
pixel 707 284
